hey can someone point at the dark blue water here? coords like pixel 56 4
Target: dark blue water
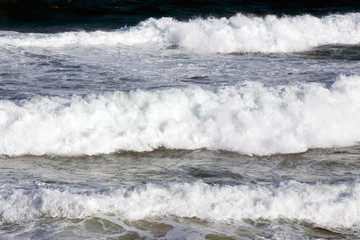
pixel 64 15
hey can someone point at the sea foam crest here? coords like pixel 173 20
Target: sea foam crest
pixel 322 204
pixel 239 33
pixel 249 118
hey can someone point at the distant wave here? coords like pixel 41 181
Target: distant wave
pixel 58 15
pixel 325 205
pixel 54 15
pixel 239 33
pixel 248 118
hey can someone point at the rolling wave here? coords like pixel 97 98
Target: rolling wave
pixel 60 15
pixel 239 33
pixel 248 118
pixel 331 206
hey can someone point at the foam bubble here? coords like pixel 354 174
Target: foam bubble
pixel 325 205
pixel 249 118
pixel 239 33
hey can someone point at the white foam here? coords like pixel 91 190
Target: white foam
pixel 334 206
pixel 239 33
pixel 249 118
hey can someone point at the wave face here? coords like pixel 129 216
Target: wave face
pixel 239 33
pixel 333 206
pixel 248 118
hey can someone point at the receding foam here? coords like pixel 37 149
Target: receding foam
pixel 249 118
pixel 239 33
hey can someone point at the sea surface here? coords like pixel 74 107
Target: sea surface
pixel 179 119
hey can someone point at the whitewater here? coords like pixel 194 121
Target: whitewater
pixel 325 205
pixel 247 118
pixel 239 33
pixel 215 127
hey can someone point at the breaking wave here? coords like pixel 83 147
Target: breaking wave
pixel 239 33
pixel 325 205
pixel 249 118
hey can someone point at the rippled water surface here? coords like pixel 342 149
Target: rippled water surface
pixel 172 120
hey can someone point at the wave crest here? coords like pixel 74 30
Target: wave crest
pixel 249 118
pixel 239 33
pixel 323 204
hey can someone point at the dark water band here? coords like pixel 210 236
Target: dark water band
pixel 62 15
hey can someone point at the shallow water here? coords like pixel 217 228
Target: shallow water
pixel 163 194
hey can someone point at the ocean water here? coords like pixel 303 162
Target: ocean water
pixel 179 120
